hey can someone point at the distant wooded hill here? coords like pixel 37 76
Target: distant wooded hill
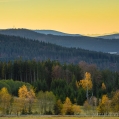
pixel 84 42
pixel 12 47
pixel 110 36
pixel 53 32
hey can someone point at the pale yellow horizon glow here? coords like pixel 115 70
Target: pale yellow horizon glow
pixel 87 17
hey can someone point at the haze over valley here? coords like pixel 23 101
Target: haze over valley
pixel 108 45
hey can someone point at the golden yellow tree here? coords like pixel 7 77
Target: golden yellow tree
pixel 5 98
pixel 87 81
pixel 27 97
pixel 22 93
pixel 67 107
pixel 76 109
pixel 103 86
pixel 104 105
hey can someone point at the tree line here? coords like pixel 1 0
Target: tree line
pixel 28 101
pixel 83 84
pixel 59 78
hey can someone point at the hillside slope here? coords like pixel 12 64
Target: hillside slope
pixel 12 48
pixel 89 43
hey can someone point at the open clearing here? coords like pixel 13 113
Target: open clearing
pixel 57 117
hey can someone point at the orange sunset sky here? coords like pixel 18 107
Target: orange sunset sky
pixel 87 17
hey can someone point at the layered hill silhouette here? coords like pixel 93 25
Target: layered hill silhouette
pixel 84 42
pixel 53 32
pixel 12 48
pixel 110 36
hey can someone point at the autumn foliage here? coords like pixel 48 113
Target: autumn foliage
pixel 59 89
pixel 5 99
pixel 27 97
pixel 104 105
pixel 86 82
pixel 69 108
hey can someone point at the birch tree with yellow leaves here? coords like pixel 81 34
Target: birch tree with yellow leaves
pixel 86 83
pixel 27 96
pixel 5 98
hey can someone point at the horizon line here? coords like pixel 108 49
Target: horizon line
pixel 92 35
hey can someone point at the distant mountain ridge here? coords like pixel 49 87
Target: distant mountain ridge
pixel 84 42
pixel 53 32
pixel 110 36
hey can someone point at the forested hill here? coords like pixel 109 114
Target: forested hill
pixel 84 42
pixel 12 47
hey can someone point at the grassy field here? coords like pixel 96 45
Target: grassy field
pixel 52 117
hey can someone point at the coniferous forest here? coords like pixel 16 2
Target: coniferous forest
pixel 62 81
pixel 12 48
pixel 45 78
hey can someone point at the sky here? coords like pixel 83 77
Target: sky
pixel 87 17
